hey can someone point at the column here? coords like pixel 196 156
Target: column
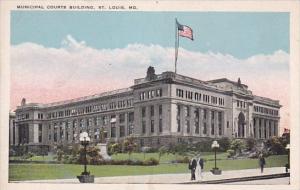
pixel 208 123
pixel 267 128
pixel 192 120
pixel 200 122
pixel 272 128
pixel 256 125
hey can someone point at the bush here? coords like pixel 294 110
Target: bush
pixel 276 145
pixel 237 145
pixel 250 144
pixel 184 160
pixel 150 162
pixel 231 153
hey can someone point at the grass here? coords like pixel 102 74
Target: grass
pixel 60 171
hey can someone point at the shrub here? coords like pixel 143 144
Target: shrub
pixel 231 153
pixel 237 145
pixel 151 162
pixel 276 145
pixel 250 143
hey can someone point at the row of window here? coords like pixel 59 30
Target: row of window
pixel 265 110
pixel 89 109
pixel 241 104
pixel 199 97
pixel 65 135
pixel 23 116
pixel 143 112
pixel 150 94
pixel 95 121
pixel 197 120
pixel 152 126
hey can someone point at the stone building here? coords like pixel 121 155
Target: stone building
pixel 155 110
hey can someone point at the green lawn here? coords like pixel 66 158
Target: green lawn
pixel 59 171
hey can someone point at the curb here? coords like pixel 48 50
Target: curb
pixel 252 178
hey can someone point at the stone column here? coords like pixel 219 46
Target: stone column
pixel 200 122
pixel 192 120
pixel 256 125
pixel 267 128
pixel 126 124
pixel 208 123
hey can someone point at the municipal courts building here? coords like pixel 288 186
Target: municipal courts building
pixel 155 110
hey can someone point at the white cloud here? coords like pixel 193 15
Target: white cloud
pixel 83 70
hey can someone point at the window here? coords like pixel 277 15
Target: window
pixel 212 115
pixel 160 110
pixel 152 110
pixel 204 114
pixel 122 130
pixel 143 127
pixel 131 117
pixel 159 92
pixel 152 126
pixel 160 125
pixel 40 133
pixel 113 131
pixel 178 110
pixel 187 125
pixel 122 118
pixel 212 129
pixel 143 111
pixel 178 125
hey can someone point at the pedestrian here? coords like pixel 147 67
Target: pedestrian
pixel 201 168
pixel 262 162
pixel 192 167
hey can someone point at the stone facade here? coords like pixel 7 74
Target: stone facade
pixel 156 110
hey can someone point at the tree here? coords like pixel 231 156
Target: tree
pixel 129 146
pixel 224 143
pixel 276 145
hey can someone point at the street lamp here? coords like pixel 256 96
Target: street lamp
pixel 215 170
pixel 287 166
pixel 85 176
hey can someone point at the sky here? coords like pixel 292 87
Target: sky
pixel 62 55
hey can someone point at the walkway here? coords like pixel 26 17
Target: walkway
pixel 173 178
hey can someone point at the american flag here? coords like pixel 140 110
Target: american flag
pixel 185 31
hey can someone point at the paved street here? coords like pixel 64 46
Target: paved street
pixel 182 178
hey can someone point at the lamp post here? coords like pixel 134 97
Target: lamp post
pixel 85 176
pixel 215 170
pixel 287 166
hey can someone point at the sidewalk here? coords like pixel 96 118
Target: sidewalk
pixel 169 178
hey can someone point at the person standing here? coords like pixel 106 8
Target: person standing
pixel 262 162
pixel 192 167
pixel 201 168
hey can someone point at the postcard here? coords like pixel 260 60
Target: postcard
pixel 150 94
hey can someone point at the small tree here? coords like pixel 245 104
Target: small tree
pixel 129 146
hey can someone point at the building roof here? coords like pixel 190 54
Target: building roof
pixel 80 99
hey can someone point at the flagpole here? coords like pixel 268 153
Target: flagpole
pixel 176 44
